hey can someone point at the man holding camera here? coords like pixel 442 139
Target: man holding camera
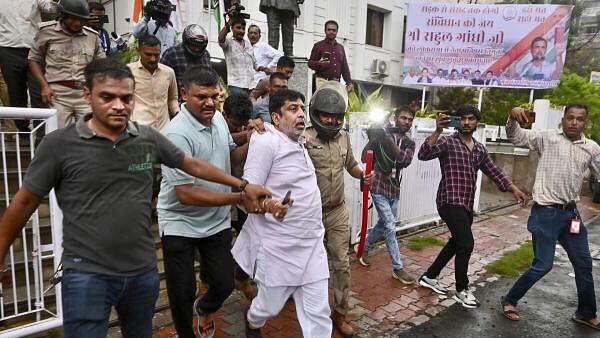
pixel 565 155
pixel 330 150
pixel 157 14
pixel 97 20
pixel 394 151
pixel 239 56
pixel 51 59
pixel 328 59
pixel 460 157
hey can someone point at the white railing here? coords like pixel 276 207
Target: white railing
pixel 30 300
pixel 419 180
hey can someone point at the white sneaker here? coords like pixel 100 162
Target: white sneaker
pixel 466 299
pixel 433 284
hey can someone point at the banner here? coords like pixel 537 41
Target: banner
pixel 513 46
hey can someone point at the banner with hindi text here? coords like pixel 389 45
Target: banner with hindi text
pixel 514 46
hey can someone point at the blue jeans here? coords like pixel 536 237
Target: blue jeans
pixel 88 298
pixel 548 225
pixel 238 90
pixel 386 226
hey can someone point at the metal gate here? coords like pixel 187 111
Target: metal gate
pixel 29 303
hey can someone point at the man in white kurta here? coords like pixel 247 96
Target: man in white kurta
pixel 286 258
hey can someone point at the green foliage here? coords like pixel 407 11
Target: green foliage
pixel 574 88
pixel 450 98
pixel 357 104
pixel 512 263
pixel 418 243
pixel 497 103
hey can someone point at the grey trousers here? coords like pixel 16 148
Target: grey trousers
pixel 285 19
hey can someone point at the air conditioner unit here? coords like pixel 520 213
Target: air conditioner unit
pixel 379 68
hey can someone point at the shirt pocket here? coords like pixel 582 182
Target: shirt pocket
pixel 319 156
pixel 57 55
pixel 86 55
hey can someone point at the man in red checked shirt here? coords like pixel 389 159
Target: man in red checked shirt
pixel 460 156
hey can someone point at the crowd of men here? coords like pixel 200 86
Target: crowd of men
pixel 158 134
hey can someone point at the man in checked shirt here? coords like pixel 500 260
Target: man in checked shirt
pixel 565 155
pixel 460 156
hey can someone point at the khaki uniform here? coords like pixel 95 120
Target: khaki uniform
pixel 330 158
pixel 65 57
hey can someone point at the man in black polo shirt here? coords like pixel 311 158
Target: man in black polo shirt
pixel 101 170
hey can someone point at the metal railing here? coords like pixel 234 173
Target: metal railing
pixel 30 303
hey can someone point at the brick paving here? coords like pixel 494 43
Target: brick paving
pixel 382 304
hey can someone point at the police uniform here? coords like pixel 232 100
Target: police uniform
pixel 65 56
pixel 330 158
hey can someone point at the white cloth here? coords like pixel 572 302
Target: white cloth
pixel 545 71
pixel 311 301
pixel 266 56
pixel 292 250
pixel 240 61
pixel 20 19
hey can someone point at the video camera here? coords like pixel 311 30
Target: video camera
pixel 159 10
pixel 235 10
pixel 379 125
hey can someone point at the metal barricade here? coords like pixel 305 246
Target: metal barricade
pixel 29 303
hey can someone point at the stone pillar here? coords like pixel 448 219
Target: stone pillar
pixel 302 79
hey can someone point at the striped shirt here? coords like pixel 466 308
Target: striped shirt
pixel 240 62
pixel 562 162
pixel 459 166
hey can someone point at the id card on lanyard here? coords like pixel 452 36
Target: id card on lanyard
pixel 576 223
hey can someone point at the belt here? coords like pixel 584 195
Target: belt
pixel 73 84
pixel 567 207
pixel 329 78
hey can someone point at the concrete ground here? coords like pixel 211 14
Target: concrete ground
pixel 383 307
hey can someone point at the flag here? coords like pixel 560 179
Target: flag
pixel 217 6
pixel 137 10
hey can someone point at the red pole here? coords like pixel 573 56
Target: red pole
pixel 365 206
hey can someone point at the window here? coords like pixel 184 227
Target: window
pixel 374 27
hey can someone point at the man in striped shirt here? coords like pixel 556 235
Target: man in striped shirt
pixel 460 156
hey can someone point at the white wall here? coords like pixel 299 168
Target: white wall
pixel 350 14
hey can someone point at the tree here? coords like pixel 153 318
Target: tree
pixel 449 98
pixel 575 88
pixel 497 102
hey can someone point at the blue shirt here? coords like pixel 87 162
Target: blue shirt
pixel 166 34
pixel 212 144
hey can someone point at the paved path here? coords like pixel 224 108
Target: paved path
pixel 382 306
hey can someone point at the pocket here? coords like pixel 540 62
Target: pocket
pixel 319 157
pixel 86 56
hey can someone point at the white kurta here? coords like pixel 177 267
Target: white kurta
pixel 291 252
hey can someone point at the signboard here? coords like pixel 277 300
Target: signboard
pixel 514 46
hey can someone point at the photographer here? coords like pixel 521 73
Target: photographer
pixel 239 55
pixel 393 150
pixel 98 18
pixel 156 22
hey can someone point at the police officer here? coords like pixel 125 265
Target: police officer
pixel 59 54
pixel 331 152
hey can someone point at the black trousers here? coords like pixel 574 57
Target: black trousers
pixel 217 271
pixel 285 19
pixel 460 244
pixel 19 80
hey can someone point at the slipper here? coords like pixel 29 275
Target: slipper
pixel 509 313
pixel 207 330
pixel 578 319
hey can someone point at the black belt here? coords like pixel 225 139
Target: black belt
pixel 329 78
pixel 73 84
pixel 567 207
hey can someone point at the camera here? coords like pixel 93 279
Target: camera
pixel 235 10
pixel 103 19
pixel 159 10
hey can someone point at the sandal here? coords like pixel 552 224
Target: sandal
pixel 578 319
pixel 206 331
pixel 511 314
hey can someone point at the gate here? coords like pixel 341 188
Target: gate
pixel 30 303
